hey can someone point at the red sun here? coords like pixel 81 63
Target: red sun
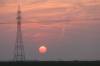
pixel 42 49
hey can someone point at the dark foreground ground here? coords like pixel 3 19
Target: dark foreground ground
pixel 46 63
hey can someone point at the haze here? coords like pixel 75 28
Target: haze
pixel 68 28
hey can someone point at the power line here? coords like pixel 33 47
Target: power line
pixel 51 21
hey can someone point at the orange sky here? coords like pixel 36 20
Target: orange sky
pixel 48 11
pixel 27 5
pixel 51 24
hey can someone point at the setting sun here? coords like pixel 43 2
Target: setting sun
pixel 42 49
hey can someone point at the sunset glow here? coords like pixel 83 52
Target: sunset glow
pixel 69 29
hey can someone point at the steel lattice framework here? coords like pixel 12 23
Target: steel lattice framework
pixel 19 54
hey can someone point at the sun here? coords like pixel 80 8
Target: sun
pixel 42 49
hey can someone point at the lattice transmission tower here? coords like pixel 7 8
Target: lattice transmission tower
pixel 19 54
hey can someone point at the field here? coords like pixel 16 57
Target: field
pixel 67 63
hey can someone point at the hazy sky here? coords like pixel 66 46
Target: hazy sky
pixel 68 28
